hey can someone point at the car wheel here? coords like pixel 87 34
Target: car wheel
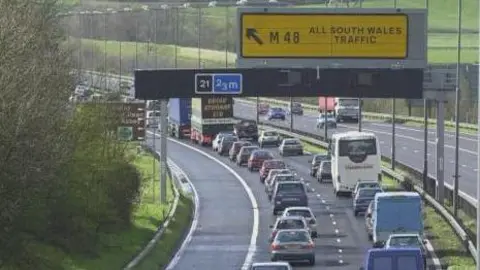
pixel 274 212
pixel 320 179
pixel 261 145
pixel 370 237
pixel 355 213
pixel 301 153
pixel 311 261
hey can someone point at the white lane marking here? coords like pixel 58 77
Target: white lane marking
pixel 416 151
pixel 256 219
pixel 404 147
pixel 421 130
pixel 193 227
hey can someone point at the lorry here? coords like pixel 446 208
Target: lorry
pixel 211 115
pixel 396 212
pixel 344 109
pixel 394 259
pixel 179 113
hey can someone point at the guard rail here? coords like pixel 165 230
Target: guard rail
pixel 466 203
pixel 408 182
pixel 369 115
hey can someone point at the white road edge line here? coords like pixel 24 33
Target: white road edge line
pixel 256 216
pixel 193 226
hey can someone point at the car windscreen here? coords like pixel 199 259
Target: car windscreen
pixel 300 212
pixel 368 193
pixel 357 147
pixel 270 134
pixel 248 123
pixel 326 166
pixel 290 224
pixel 291 188
pixel 277 110
pixel 248 150
pixel 275 164
pixel 292 236
pixel 406 241
pixel 270 267
pixel 262 154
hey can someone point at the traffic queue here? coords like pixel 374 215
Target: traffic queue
pixel 393 220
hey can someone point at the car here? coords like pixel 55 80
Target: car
pixel 270 164
pixel 365 184
pixel 407 241
pixel 324 171
pixel 263 108
pixel 274 172
pixel 369 221
pixel 256 159
pixel 288 194
pixel 331 121
pixel 217 139
pixel 246 129
pixel 291 146
pixel 276 113
pixel 278 178
pixel 269 138
pixel 225 144
pixel 393 259
pixel 288 223
pixel 362 199
pixel 315 163
pixel 244 154
pixel 297 108
pixel 235 148
pixel 293 245
pixel 306 213
pixel 271 266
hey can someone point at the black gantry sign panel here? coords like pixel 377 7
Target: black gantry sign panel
pixel 276 82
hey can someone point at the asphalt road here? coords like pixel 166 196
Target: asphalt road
pixel 342 241
pixel 222 236
pixel 408 141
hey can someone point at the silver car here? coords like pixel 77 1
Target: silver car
pixel 271 266
pixel 293 245
pixel 306 213
pixel 291 146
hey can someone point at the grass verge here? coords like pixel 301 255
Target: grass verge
pixel 448 247
pixel 161 254
pixel 118 249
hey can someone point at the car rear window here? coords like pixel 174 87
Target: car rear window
pixel 290 224
pixel 295 236
pixel 230 139
pixel 270 267
pixel 283 178
pixel 274 164
pixel 303 213
pixel 291 188
pixel 262 154
pixel 270 133
pixel 368 185
pixel 249 150
pixel 292 142
pixel 368 192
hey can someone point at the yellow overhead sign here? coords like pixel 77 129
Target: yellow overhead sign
pixel 324 35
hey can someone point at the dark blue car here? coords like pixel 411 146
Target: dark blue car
pixel 276 113
pixel 362 199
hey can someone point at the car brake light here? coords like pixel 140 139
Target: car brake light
pixel 274 233
pixel 275 247
pixel 310 245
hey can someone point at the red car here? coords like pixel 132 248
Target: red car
pixel 256 159
pixel 263 108
pixel 269 165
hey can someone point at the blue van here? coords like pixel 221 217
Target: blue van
pixel 396 212
pixel 393 259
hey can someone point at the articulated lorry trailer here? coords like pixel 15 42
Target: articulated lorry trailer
pixel 210 116
pixel 179 113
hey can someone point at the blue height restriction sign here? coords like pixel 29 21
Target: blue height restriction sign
pixel 216 83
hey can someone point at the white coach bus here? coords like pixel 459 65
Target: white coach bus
pixel 355 156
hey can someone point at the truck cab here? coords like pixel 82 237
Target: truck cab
pixel 395 213
pixel 393 259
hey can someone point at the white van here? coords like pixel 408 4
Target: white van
pixel 354 156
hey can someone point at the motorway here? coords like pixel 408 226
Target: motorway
pixel 225 223
pixel 408 141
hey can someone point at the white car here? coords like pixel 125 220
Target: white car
pixel 271 265
pixel 305 212
pixel 218 138
pixel 331 121
pixel 269 138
